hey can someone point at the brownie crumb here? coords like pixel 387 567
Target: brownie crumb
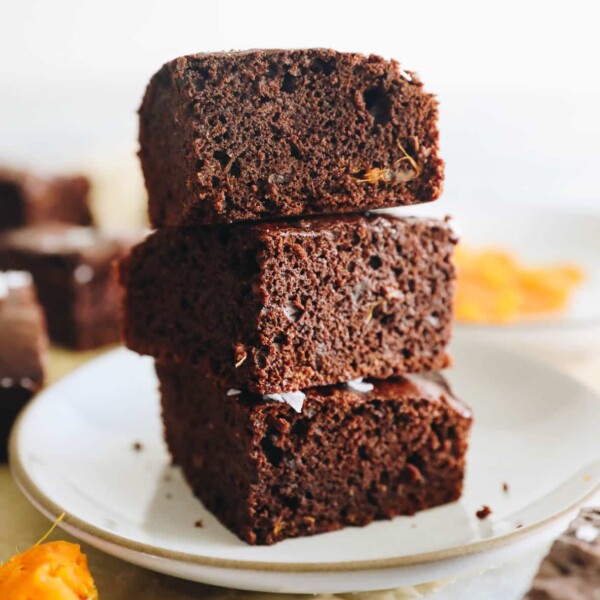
pixel 168 496
pixel 505 487
pixel 199 523
pixel 137 446
pixel 519 525
pixel 484 512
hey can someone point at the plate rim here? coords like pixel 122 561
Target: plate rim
pixel 52 510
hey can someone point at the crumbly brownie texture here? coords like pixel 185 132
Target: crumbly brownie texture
pixel 273 307
pixel 252 135
pixel 28 199
pixel 572 568
pixel 23 347
pixel 74 273
pixel 269 473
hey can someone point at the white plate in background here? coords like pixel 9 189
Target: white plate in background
pixel 536 236
pixel 535 429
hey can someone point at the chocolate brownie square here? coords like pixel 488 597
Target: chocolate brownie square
pixel 29 199
pixel 234 136
pixel 23 347
pixel 339 455
pixel 74 273
pixel 572 568
pixel 282 306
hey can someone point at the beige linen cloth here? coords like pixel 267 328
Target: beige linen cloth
pixel 21 526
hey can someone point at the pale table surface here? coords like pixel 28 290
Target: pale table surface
pixel 21 526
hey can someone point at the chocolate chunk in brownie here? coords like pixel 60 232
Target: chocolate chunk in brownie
pixel 29 199
pixel 269 472
pixel 572 567
pixel 274 307
pixel 75 279
pixel 261 134
pixel 23 347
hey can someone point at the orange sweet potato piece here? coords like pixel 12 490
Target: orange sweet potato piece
pixel 495 287
pixel 51 571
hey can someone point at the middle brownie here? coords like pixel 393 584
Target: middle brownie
pixel 272 307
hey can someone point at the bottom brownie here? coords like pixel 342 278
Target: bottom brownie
pixel 354 453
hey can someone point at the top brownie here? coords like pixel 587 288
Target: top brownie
pixel 262 134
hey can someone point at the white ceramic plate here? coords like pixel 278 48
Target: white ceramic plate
pixel 535 429
pixel 538 236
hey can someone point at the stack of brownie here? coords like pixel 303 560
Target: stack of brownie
pixel 297 352
pixel 47 229
pixel 57 278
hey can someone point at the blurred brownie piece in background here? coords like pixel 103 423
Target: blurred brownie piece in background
pixel 30 199
pixel 75 279
pixel 23 345
pixel 261 134
pixel 571 571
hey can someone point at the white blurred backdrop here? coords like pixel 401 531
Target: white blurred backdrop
pixel 518 82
